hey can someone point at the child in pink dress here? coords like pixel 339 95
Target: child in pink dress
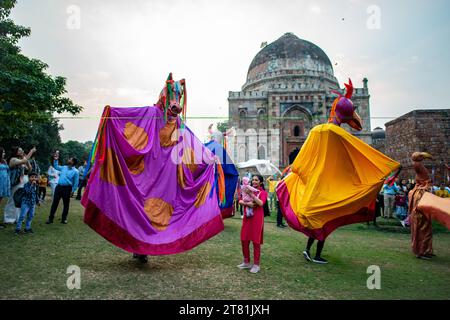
pixel 247 198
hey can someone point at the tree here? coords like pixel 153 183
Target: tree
pixel 223 126
pixel 29 97
pixel 75 149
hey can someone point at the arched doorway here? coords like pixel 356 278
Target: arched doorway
pixel 293 155
pixel 242 119
pixel 296 122
pixel 241 153
pixel 261 119
pixel 261 152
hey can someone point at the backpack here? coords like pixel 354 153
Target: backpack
pixel 18 196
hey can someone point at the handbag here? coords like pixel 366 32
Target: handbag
pixel 14 175
pixel 18 196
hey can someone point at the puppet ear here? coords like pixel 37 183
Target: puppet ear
pixel 336 92
pixel 349 89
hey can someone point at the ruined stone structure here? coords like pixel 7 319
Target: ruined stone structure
pixel 420 130
pixel 287 92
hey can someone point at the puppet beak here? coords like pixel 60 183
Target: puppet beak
pixel 426 155
pixel 355 122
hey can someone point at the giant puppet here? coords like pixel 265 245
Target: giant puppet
pixel 335 178
pixel 423 207
pixel 217 144
pixel 152 187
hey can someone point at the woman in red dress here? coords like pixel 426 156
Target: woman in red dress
pixel 252 227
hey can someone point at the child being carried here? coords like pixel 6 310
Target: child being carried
pixel 245 195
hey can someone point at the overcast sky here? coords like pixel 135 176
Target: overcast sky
pixel 120 52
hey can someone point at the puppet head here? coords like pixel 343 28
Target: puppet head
pixel 343 110
pixel 172 99
pixel 420 156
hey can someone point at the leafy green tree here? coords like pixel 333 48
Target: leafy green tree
pixel 75 149
pixel 223 126
pixel 29 97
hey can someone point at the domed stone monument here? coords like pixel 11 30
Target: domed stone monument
pixel 287 92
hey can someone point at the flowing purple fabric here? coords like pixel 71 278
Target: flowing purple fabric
pixel 134 198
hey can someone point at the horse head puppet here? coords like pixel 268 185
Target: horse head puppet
pixel 172 102
pixel 172 99
pixel 343 110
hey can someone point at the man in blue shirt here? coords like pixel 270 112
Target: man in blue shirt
pixel 67 184
pixel 389 192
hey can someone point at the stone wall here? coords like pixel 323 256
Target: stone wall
pixel 420 130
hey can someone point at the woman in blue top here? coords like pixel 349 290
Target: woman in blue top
pixel 5 184
pixel 17 165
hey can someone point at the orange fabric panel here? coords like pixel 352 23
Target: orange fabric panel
pixel 437 208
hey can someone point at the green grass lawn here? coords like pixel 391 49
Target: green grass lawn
pixel 34 266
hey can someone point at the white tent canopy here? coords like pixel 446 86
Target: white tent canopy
pixel 263 167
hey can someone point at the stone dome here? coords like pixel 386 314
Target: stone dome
pixel 289 54
pixel 378 133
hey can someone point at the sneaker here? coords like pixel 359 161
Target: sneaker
pixel 17 232
pixel 135 256
pixel 281 226
pixel 49 222
pixel 255 269
pixel 403 224
pixel 64 222
pixel 320 260
pixel 245 266
pixel 423 257
pixel 307 256
pixel 29 231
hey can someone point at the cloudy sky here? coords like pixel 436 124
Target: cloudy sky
pixel 119 52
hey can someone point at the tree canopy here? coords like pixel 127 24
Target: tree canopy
pixel 29 97
pixel 223 126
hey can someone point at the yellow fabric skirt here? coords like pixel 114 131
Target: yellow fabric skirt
pixel 334 181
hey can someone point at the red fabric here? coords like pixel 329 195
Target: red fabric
pixel 227 212
pixel 252 228
pixel 256 252
pixel 362 215
pixel 246 251
pixel 108 229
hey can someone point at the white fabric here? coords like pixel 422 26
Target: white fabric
pixel 11 212
pixel 264 167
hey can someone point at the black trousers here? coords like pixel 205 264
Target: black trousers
pixel 61 192
pixel 43 192
pixel 80 187
pixel 279 215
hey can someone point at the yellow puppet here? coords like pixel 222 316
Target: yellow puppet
pixel 335 178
